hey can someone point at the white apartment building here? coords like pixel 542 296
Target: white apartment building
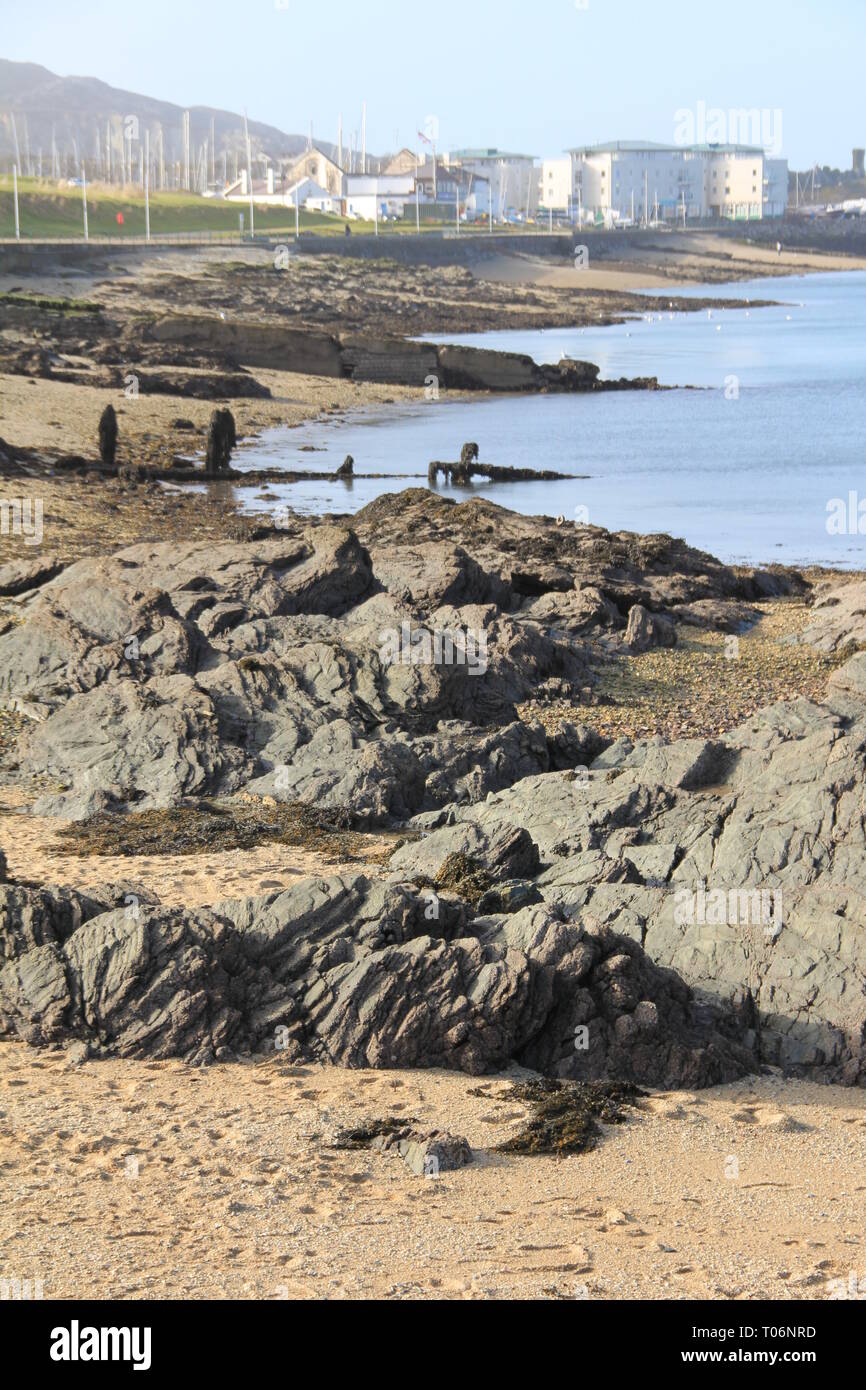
pixel 631 179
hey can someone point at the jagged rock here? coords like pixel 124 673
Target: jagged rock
pixel 720 615
pixel 645 630
pixel 774 808
pixel 428 1155
pixel 508 853
pixel 838 616
pixel 580 611
pixel 347 468
pixel 4 872
pixel 21 576
pixel 432 575
pixel 384 681
pixel 360 974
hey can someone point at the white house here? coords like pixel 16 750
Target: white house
pixel 310 195
pixel 389 193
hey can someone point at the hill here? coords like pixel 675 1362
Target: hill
pixel 76 113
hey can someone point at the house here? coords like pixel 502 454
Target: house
pixel 314 164
pixel 268 190
pixel 402 163
pixel 310 195
pixel 443 185
pixel 369 196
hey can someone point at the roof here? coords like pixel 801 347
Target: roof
pixel 453 173
pixel 305 154
pixel 488 154
pixel 653 147
pixel 308 188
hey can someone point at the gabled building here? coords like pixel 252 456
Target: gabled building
pixel 316 165
pixel 404 162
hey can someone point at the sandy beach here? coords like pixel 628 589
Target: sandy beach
pixel 133 1177
pixel 152 1180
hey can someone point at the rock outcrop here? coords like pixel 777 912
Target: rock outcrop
pixel 357 973
pixel 378 669
pixel 738 862
pixel 645 630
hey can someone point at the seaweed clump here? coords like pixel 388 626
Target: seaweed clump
pixel 364 1135
pixel 465 877
pixel 565 1114
pixel 211 827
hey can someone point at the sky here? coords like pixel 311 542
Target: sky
pixel 535 78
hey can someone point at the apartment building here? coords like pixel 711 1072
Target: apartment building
pixel 645 181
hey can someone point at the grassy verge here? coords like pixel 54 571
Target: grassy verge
pixel 56 210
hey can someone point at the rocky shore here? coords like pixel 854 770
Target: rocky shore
pixel 670 912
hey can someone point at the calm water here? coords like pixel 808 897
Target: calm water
pixel 744 468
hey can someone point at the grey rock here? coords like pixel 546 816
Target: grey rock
pixel 283 664
pixel 430 1155
pixel 838 616
pixel 773 808
pixel 356 973
pixel 645 630
pixel 22 576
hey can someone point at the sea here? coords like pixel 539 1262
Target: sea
pixel 757 455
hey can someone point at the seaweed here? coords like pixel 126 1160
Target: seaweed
pixel 212 827
pixel 564 1114
pixel 464 876
pixel 363 1136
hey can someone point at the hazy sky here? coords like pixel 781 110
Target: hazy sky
pixel 534 77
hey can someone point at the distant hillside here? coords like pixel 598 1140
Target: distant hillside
pixel 83 115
